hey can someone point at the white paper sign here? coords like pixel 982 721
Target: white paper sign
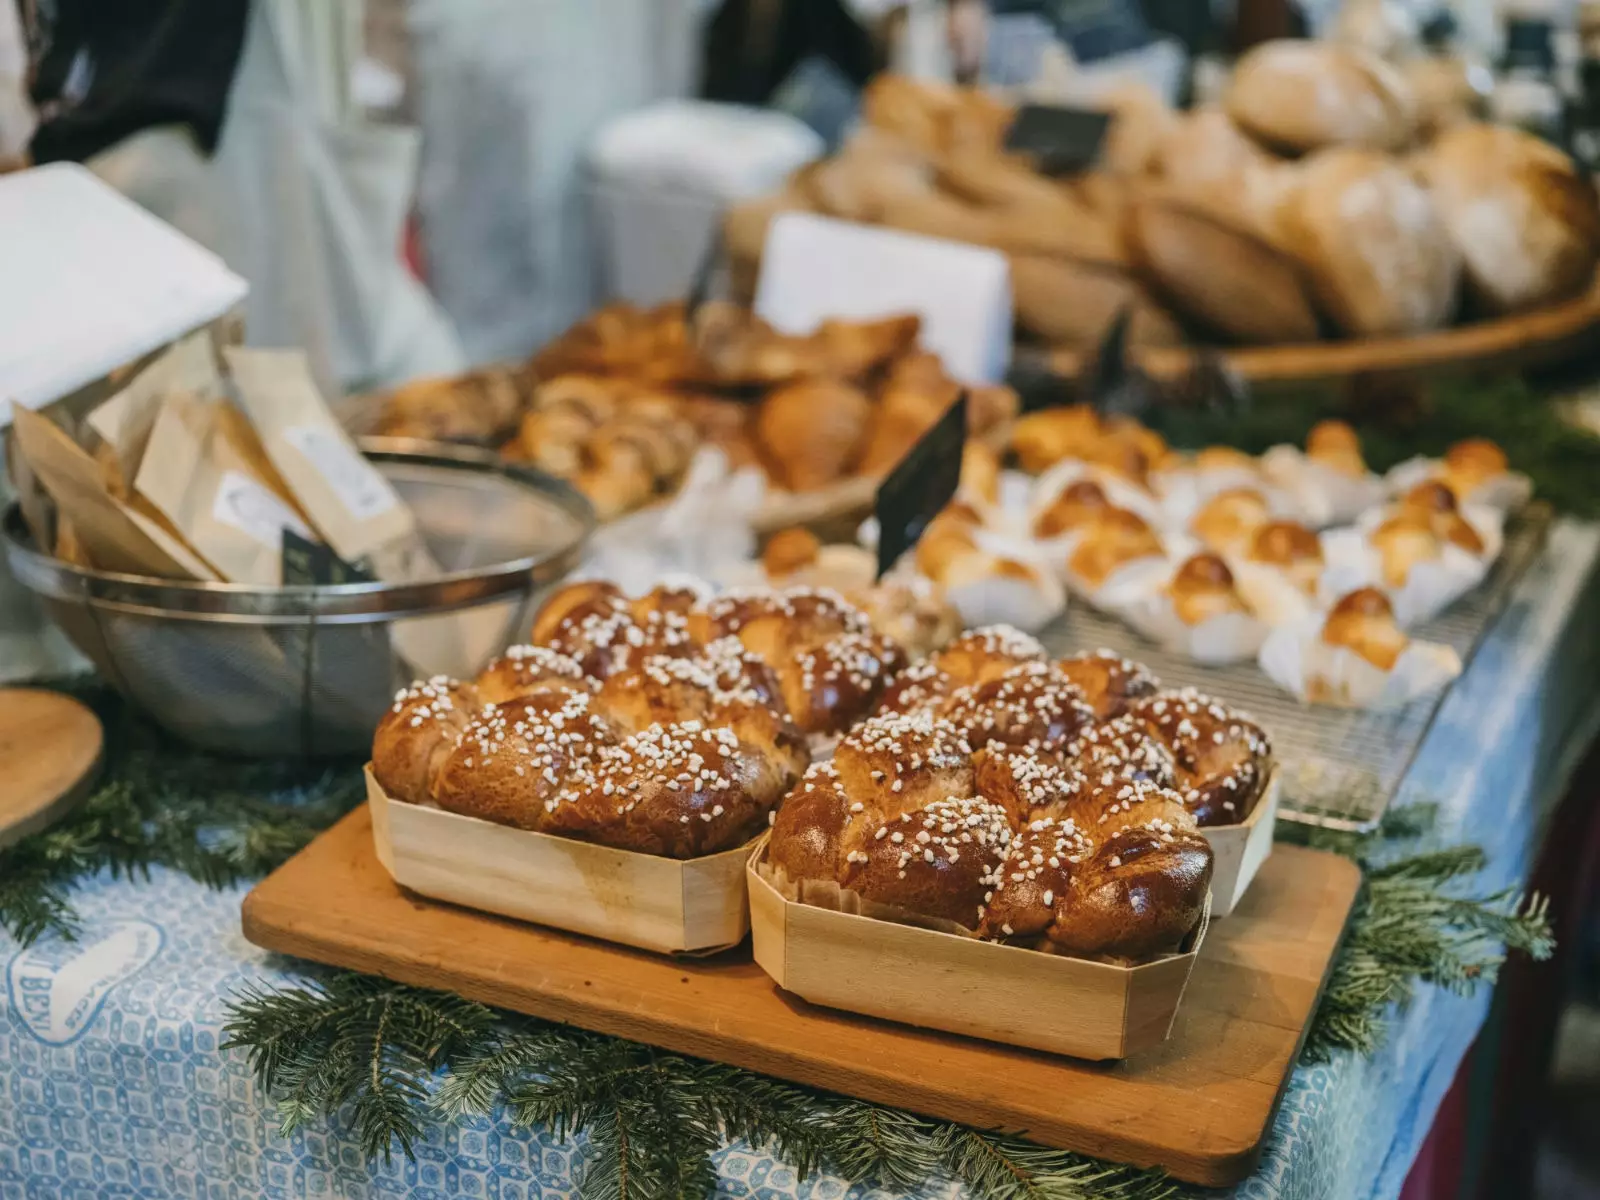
pixel 815 267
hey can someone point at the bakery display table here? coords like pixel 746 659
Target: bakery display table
pixel 112 1083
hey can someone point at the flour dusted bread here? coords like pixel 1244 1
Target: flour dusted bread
pixel 1219 276
pixel 1298 96
pixel 1072 301
pixel 1524 219
pixel 1378 255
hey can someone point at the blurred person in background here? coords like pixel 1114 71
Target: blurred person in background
pixel 233 121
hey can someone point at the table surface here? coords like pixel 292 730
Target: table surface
pixel 112 1084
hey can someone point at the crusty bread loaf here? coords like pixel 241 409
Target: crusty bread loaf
pixel 1297 96
pixel 1523 217
pixel 1072 302
pixel 1219 277
pixel 1375 249
pixel 812 431
pixel 1204 145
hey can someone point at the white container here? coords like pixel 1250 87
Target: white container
pixel 1239 850
pixel 660 178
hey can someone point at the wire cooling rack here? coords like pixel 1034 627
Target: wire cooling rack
pixel 1340 767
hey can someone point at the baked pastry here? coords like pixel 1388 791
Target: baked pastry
pixel 1470 464
pixel 975 657
pixel 1291 548
pixel 1297 96
pixel 1072 301
pixel 1079 504
pixel 788 551
pixel 1404 540
pixel 1202 588
pixel 1011 843
pixel 1113 539
pixel 1223 757
pixel 1379 257
pixel 1042 439
pixel 1218 275
pixel 810 432
pixel 1227 522
pixel 1363 622
pixel 1523 217
pixel 1435 501
pixel 1109 682
pixel 1205 146
pixel 1335 445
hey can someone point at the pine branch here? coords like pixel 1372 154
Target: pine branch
pixel 159 804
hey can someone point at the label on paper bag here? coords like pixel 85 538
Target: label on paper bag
pixel 920 486
pixel 1061 141
pixel 252 509
pixel 348 500
pixel 364 493
pixel 813 268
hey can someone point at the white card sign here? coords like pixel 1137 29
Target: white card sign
pixel 815 267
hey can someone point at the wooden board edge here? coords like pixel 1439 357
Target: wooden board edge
pixel 1224 1166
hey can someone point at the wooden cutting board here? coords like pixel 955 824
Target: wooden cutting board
pixel 1199 1106
pixel 50 748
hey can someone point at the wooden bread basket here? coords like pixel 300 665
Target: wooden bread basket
pixel 962 985
pixel 669 905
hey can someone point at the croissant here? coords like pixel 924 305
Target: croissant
pixel 1002 807
pixel 1363 622
pixel 811 431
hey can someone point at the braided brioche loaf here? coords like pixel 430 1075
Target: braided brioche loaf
pixel 671 724
pixel 1050 805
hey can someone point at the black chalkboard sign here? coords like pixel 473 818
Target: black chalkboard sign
pixel 920 485
pixel 1114 385
pixel 1061 141
pixel 307 563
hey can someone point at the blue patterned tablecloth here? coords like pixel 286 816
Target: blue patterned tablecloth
pixel 111 1082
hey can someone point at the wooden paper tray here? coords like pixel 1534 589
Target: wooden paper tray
pixel 1199 1105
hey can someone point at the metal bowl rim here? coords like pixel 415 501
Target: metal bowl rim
pixel 241 602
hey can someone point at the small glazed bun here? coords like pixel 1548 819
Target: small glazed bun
pixel 1379 257
pixel 1523 217
pixel 1299 96
pixel 1079 505
pixel 1471 463
pixel 1363 622
pixel 1293 549
pixel 1404 540
pixel 1113 539
pixel 1335 445
pixel 1228 521
pixel 1203 588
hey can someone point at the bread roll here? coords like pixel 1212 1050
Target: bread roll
pixel 1363 622
pixel 811 432
pixel 1524 219
pixel 1072 302
pixel 1221 278
pixel 1379 257
pixel 1141 124
pixel 1205 146
pixel 1446 90
pixel 1298 96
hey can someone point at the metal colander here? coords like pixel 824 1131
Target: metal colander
pixel 308 671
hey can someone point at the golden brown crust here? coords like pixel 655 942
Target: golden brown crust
pixel 1203 588
pixel 812 432
pixel 1115 538
pixel 417 734
pixel 1109 681
pixel 1336 445
pixel 788 551
pixel 1363 622
pixel 1002 807
pixel 1228 521
pixel 1223 757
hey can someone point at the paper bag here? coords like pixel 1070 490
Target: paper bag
pixel 111 534
pixel 199 480
pixel 345 496
pixel 123 422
